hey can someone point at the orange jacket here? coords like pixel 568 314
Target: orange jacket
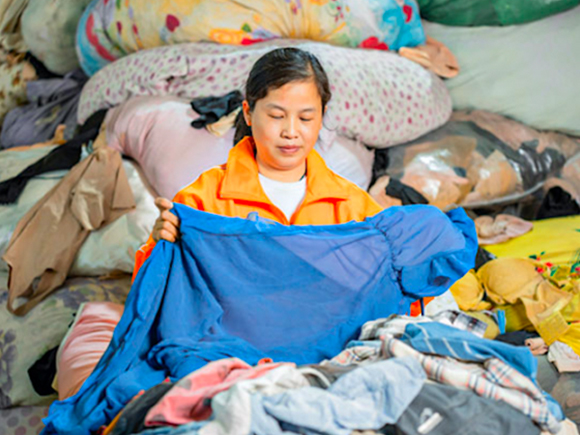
pixel 234 190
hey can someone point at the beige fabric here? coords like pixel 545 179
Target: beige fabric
pixel 224 124
pixel 434 56
pixel 377 191
pixel 527 297
pixel 502 228
pixel 58 139
pixel 10 31
pixel 46 240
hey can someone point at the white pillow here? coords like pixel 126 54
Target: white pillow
pixel 528 72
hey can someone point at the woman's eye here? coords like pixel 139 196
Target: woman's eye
pixel 306 119
pixel 276 117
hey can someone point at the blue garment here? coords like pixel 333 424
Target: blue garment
pixel 368 397
pixel 439 339
pixel 239 288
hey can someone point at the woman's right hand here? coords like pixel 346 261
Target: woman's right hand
pixel 167 224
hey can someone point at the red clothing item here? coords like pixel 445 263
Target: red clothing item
pixel 187 399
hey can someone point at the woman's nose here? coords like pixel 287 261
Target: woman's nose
pixel 289 129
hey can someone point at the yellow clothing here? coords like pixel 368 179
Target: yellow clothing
pixel 555 241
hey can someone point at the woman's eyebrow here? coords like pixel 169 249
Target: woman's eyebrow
pixel 275 106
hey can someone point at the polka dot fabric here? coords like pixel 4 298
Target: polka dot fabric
pixel 22 421
pixel 378 98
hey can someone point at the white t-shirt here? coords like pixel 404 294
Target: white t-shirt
pixel 286 196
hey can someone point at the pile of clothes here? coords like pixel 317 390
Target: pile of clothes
pixel 105 105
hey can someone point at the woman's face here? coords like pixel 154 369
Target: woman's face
pixel 285 126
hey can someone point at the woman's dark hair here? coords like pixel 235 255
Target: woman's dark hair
pixel 274 70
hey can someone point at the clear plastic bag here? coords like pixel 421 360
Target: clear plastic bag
pixel 477 159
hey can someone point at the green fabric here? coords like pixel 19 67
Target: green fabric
pixel 49 30
pixel 491 12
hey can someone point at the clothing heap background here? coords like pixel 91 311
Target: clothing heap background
pixel 474 105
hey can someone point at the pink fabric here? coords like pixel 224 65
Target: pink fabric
pixel 85 344
pixel 185 402
pixel 156 132
pixel 504 227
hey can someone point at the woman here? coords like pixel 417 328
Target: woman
pixel 273 170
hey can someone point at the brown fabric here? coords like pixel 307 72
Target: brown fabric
pixel 434 56
pixel 46 240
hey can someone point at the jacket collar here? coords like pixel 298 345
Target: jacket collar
pixel 241 177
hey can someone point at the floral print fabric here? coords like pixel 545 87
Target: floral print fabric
pixel 111 29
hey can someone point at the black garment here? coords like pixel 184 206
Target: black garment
pixel 323 376
pixel 211 109
pixel 132 419
pixel 42 73
pixel 406 194
pixel 557 203
pixel 517 338
pixel 444 410
pixel 42 373
pixel 482 258
pixel 62 157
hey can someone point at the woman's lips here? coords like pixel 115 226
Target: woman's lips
pixel 289 149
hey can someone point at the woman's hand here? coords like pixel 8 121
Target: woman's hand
pixel 167 225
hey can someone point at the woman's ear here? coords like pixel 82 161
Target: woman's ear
pixel 247 113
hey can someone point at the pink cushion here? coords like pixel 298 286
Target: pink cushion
pixel 156 132
pixel 85 344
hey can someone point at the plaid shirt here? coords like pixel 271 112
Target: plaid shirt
pixel 493 379
pixel 395 325
pixel 355 355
